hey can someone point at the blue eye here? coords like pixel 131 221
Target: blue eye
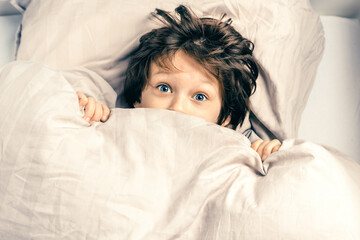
pixel 200 97
pixel 164 88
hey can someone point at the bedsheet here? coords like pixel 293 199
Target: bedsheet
pixel 155 174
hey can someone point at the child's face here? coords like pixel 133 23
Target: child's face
pixel 187 88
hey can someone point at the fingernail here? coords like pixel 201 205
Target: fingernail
pixel 264 157
pixel 104 118
pixel 87 119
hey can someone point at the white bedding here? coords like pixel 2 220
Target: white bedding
pixel 155 174
pixel 340 34
pixel 99 35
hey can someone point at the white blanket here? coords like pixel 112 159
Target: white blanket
pixel 155 174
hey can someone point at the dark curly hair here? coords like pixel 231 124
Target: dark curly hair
pixel 215 44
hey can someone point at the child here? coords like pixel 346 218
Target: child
pixel 198 66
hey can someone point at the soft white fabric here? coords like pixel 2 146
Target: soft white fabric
pixel 155 174
pixel 99 35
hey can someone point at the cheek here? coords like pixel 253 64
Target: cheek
pixel 217 111
pixel 149 100
pixel 144 99
pixel 212 112
pixel 216 115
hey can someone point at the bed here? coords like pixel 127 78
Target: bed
pixel 157 174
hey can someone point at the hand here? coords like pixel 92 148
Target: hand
pixel 94 111
pixel 265 148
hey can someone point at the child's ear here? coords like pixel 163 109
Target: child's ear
pixel 227 122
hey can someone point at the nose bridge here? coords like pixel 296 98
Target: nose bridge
pixel 178 103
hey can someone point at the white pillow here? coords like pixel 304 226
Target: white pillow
pixel 99 35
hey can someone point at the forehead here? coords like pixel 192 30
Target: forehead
pixel 181 62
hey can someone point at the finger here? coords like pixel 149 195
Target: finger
pixel 98 113
pixel 83 100
pixel 106 113
pixel 89 109
pixel 261 149
pixel 271 147
pixel 276 148
pixel 255 145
